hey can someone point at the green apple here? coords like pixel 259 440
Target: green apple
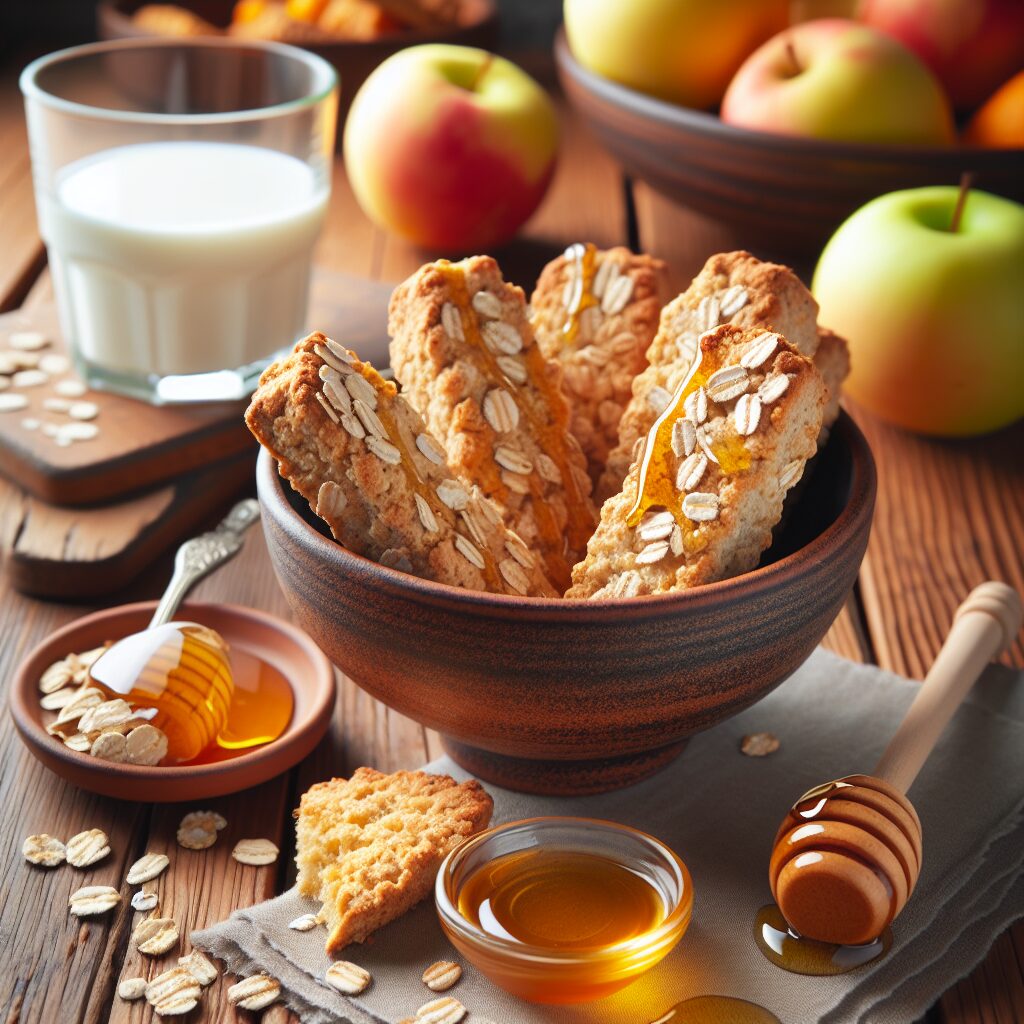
pixel 835 79
pixel 450 147
pixel 681 50
pixel 934 317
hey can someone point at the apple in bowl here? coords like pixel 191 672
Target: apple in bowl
pixel 973 46
pixel 931 304
pixel 450 147
pixel 835 79
pixel 680 50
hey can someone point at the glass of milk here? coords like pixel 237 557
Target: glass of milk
pixel 180 186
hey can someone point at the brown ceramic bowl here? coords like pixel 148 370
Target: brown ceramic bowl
pixel 553 696
pixel 354 59
pixel 784 194
pixel 278 642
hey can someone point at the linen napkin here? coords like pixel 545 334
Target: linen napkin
pixel 719 810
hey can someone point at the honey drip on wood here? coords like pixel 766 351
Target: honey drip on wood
pixel 799 955
pixel 560 899
pixel 211 703
pixel 412 474
pixel 550 438
pixel 656 486
pixel 717 1010
pixel 584 264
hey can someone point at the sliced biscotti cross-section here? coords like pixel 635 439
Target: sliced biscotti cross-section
pixel 467 359
pixel 732 287
pixel 833 362
pixel 369 847
pixel 360 455
pixel 596 312
pixel 700 502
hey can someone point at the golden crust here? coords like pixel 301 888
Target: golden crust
pixel 369 847
pixel 676 551
pixel 468 360
pixel 599 328
pixel 773 297
pixel 371 489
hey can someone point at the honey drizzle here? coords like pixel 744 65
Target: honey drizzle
pixel 412 474
pixel 656 486
pixel 585 263
pixel 580 524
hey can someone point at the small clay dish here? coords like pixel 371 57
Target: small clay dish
pixel 553 974
pixel 563 697
pixel 782 193
pixel 273 640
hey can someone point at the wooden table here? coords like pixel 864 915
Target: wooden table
pixel 949 515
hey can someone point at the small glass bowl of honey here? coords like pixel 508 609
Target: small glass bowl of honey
pixel 563 910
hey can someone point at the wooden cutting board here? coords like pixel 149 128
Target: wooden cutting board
pixel 79 553
pixel 139 445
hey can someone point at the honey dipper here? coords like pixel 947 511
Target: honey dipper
pixel 848 854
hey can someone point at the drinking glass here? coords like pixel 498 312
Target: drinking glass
pixel 180 187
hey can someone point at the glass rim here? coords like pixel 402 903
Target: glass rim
pixel 326 81
pixel 450 915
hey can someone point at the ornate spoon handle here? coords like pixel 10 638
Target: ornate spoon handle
pixel 199 556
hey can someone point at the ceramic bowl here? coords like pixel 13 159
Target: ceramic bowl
pixel 278 642
pixel 552 696
pixel 786 195
pixel 354 59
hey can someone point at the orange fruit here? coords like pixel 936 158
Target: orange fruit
pixel 999 122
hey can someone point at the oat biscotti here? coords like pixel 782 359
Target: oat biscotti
pixel 596 311
pixel 467 359
pixel 369 847
pixel 700 502
pixel 833 362
pixel 360 455
pixel 732 287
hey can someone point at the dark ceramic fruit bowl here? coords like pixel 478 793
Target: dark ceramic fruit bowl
pixel 784 194
pixel 551 696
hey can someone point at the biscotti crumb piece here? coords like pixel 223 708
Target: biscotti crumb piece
pixel 833 363
pixel 467 358
pixel 359 454
pixel 700 502
pixel 369 847
pixel 732 287
pixel 596 312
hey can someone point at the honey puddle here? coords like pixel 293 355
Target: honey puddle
pixel 800 955
pixel 717 1010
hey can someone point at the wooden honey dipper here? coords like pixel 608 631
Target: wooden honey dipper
pixel 848 854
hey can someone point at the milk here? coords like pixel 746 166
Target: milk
pixel 174 258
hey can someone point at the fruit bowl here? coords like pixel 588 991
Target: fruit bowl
pixel 561 697
pixel 354 59
pixel 786 195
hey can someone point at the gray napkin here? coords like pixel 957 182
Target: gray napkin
pixel 719 810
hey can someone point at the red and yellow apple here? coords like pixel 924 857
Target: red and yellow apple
pixel 450 147
pixel 1000 121
pixel 934 317
pixel 971 45
pixel 835 79
pixel 681 50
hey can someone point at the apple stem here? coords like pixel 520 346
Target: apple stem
pixel 961 200
pixel 791 53
pixel 481 72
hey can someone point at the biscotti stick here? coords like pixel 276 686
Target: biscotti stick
pixel 360 455
pixel 700 502
pixel 468 361
pixel 596 312
pixel 732 287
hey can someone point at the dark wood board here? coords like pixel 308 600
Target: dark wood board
pixel 64 553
